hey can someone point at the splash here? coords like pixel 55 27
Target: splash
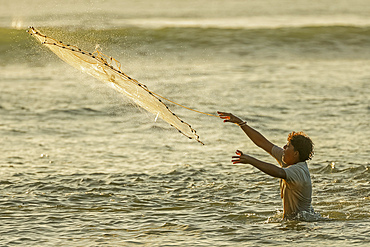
pixel 108 70
pixel 303 216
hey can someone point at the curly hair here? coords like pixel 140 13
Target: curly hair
pixel 303 144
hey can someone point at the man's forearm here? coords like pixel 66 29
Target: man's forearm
pixel 267 168
pixel 257 138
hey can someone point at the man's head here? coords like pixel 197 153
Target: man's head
pixel 298 149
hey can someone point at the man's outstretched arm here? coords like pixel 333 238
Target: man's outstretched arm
pixel 253 134
pixel 267 168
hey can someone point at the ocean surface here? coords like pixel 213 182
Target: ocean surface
pixel 81 165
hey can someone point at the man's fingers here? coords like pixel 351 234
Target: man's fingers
pixel 236 159
pixel 221 113
pixel 224 115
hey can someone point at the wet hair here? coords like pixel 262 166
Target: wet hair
pixel 303 144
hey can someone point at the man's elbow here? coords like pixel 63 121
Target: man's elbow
pixel 265 145
pixel 281 173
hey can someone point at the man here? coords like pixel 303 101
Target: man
pixel 295 183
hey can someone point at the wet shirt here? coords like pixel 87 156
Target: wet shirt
pixel 296 189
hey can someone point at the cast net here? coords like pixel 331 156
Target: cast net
pixel 108 70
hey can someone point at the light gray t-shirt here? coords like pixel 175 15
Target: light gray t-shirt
pixel 296 189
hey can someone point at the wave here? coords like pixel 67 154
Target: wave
pixel 244 21
pixel 323 41
pixel 255 22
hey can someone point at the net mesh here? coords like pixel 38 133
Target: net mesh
pixel 108 70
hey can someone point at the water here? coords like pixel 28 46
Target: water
pixel 81 165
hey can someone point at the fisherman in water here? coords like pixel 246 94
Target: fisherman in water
pixel 295 183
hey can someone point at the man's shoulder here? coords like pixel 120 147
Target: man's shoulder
pixel 298 166
pixel 276 149
pixel 277 153
pixel 297 171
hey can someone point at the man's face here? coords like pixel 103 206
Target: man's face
pixel 290 156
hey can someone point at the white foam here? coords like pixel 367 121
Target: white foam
pixel 244 22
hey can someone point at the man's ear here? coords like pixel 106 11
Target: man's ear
pixel 296 154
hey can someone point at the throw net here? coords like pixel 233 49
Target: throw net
pixel 108 70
